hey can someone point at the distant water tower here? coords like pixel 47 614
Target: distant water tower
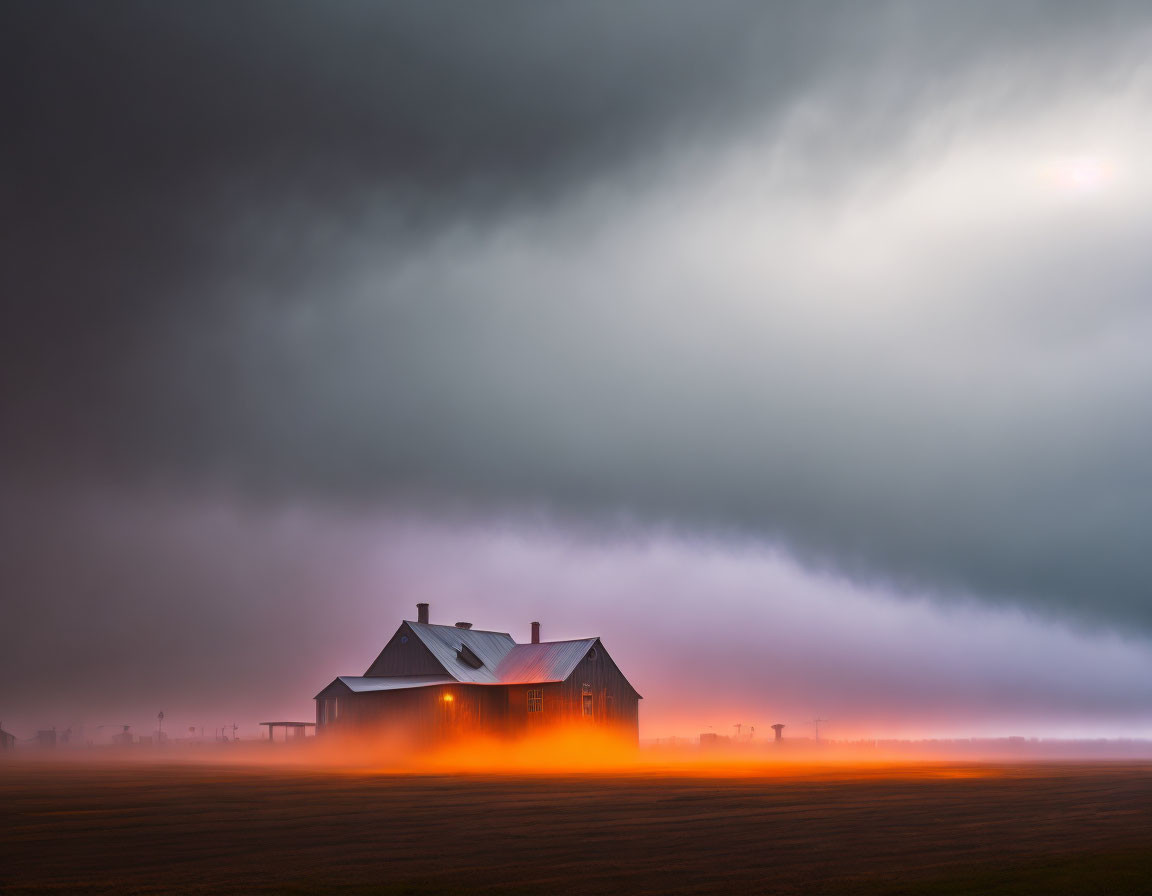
pixel 779 729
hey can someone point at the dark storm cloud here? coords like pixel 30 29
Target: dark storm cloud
pixel 346 252
pixel 138 133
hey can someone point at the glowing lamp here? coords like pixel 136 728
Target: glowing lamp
pixel 448 698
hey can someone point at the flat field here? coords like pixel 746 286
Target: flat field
pixel 132 827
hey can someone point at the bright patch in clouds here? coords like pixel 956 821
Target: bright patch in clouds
pixel 1081 175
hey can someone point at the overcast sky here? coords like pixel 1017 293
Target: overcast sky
pixel 801 350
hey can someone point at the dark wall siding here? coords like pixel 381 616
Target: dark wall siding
pixel 520 721
pixel 336 689
pixel 400 657
pixel 422 715
pixel 615 702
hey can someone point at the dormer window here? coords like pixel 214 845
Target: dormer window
pixel 466 656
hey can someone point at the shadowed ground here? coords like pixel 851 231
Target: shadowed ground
pixel 947 829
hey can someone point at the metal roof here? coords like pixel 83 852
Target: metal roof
pixel 445 640
pixel 290 724
pixel 359 684
pixel 503 661
pixel 550 661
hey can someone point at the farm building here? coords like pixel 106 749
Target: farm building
pixel 433 682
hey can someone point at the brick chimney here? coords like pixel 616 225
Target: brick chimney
pixel 535 632
pixel 422 613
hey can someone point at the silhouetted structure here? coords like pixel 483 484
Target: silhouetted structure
pixel 295 730
pixel 431 682
pixel 779 729
pixel 7 741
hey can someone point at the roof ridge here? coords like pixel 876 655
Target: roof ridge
pixel 483 631
pixel 489 631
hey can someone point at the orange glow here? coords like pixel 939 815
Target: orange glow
pixel 578 749
pixel 448 698
pixel 573 751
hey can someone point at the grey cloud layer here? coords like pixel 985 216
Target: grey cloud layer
pixel 217 613
pixel 696 267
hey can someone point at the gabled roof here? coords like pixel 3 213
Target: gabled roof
pixel 445 642
pixel 503 660
pixel 470 656
pixel 550 661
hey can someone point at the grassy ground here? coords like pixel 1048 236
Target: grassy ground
pixel 197 828
pixel 1124 873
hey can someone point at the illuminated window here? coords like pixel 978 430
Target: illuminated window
pixel 536 700
pixel 586 699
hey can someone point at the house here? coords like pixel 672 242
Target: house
pixel 7 741
pixel 435 682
